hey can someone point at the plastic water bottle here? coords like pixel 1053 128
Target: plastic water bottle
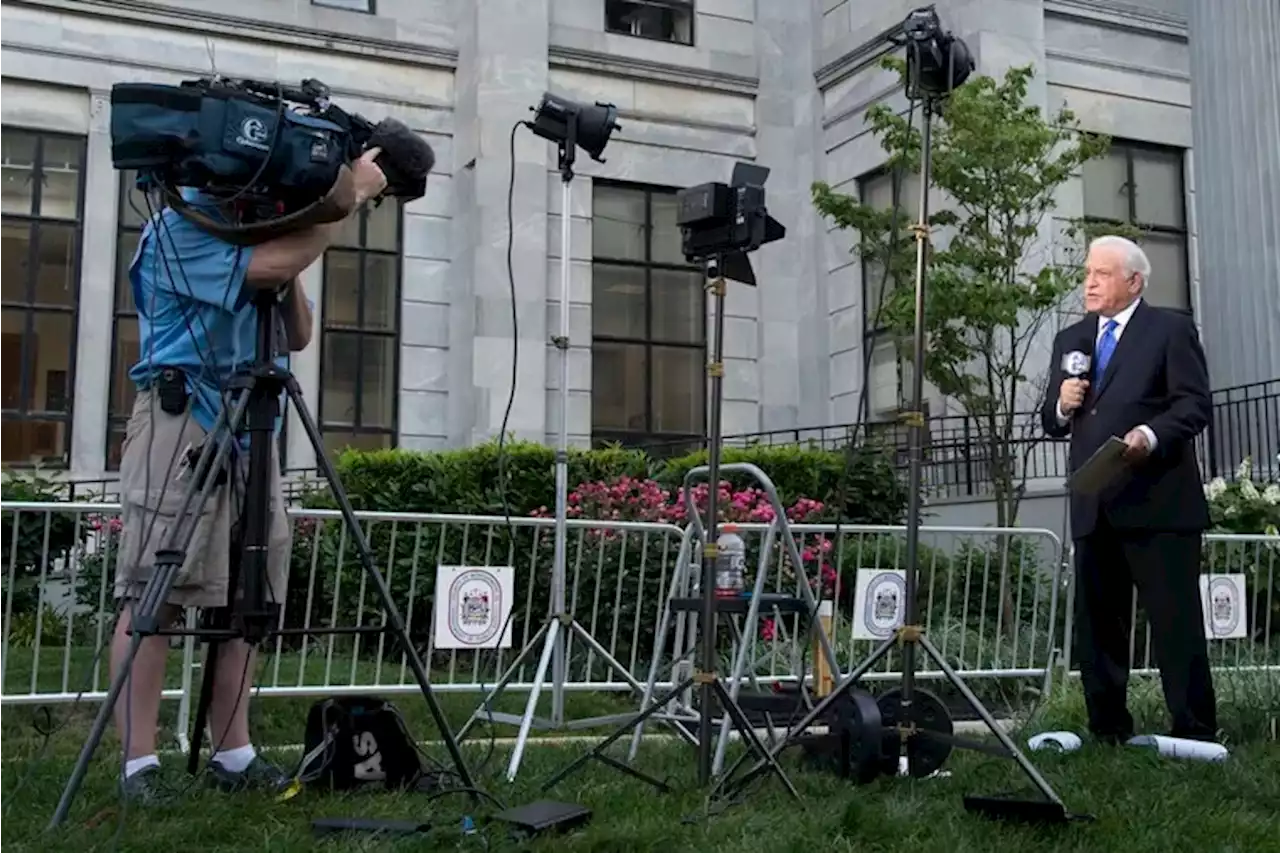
pixel 731 562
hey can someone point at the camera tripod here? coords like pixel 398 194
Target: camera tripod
pixel 920 721
pixel 256 407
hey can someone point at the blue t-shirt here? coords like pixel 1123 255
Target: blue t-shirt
pixel 195 309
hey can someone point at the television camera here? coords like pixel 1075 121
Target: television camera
pixel 271 156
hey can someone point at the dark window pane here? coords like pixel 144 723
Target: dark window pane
pixel 382 231
pixel 49 355
pixel 126 247
pixel 126 356
pixel 678 300
pixel 19 156
pixel 1168 255
pixel 55 284
pixel 617 223
pixel 61 162
pixel 336 441
pixel 1157 187
pixel 31 442
pixel 678 398
pixel 378 390
pixel 341 360
pixel 16 254
pixel 341 289
pixel 381 294
pixel 1106 186
pixel 618 386
pixel 665 246
pixel 15 334
pixel 135 206
pixel 349 234
pixel 617 301
pixel 115 445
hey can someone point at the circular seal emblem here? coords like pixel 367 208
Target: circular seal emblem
pixel 475 600
pixel 1224 610
pixel 885 604
pixel 254 130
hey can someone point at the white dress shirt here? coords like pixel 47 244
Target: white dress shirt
pixel 1121 319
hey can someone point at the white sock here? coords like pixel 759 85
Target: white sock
pixel 133 765
pixel 236 760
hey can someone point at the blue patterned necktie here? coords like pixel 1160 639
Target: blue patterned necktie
pixel 1106 347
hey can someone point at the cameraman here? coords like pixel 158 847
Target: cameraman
pixel 197 327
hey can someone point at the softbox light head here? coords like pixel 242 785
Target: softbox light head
pixel 572 124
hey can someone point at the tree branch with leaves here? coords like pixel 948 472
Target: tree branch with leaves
pixel 993 283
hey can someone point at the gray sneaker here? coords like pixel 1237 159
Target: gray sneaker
pixel 143 788
pixel 260 775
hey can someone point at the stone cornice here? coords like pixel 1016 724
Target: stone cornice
pixel 1120 15
pixel 560 56
pixel 208 21
pixel 856 59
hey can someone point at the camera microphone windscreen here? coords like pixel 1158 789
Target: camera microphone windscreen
pixel 406 159
pixel 1076 364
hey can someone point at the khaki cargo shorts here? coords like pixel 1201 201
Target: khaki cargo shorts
pixel 150 505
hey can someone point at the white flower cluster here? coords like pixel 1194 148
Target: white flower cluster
pixel 1217 487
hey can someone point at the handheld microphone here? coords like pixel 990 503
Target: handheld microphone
pixel 1076 364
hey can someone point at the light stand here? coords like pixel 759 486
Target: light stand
pixel 711 686
pixel 256 406
pixel 919 719
pixel 555 631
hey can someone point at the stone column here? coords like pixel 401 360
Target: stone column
pixel 1235 120
pixel 97 294
pixel 792 305
pixel 502 71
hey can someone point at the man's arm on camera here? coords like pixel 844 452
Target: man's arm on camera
pixel 284 258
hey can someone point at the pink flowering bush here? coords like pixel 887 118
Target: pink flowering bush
pixel 645 500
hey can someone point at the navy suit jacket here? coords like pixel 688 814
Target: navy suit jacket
pixel 1157 376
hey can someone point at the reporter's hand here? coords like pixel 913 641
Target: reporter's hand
pixel 369 179
pixel 1071 395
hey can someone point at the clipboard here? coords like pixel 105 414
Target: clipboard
pixel 1101 470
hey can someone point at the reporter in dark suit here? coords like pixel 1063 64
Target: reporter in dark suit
pixel 1145 381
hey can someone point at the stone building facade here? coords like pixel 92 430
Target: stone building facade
pixel 414 333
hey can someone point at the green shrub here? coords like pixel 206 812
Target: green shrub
pixel 41 537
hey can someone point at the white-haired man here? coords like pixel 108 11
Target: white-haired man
pixel 1145 380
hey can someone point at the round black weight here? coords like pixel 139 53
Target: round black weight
pixel 862 728
pixel 928 714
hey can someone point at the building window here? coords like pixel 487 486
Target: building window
pixel 889 375
pixel 660 20
pixel 366 6
pixel 135 210
pixel 649 321
pixel 42 204
pixel 1142 185
pixel 360 332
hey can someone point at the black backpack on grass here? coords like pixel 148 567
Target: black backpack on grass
pixel 355 742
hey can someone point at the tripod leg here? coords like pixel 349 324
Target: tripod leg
pixel 208 676
pixel 169 559
pixel 535 692
pixel 749 735
pixel 393 618
pixel 506 678
pixel 1000 734
pixel 818 710
pixel 598 751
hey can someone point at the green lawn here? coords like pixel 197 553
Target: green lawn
pixel 1141 802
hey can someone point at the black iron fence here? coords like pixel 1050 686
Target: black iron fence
pixel 959 461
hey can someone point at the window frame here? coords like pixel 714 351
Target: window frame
pixel 690 5
pixel 30 308
pixel 875 337
pixel 648 436
pixel 1129 146
pixel 360 332
pixel 372 10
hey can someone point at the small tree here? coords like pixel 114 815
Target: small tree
pixel 995 285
